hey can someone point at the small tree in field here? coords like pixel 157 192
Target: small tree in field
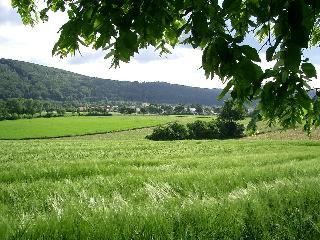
pixel 227 120
pixel 231 112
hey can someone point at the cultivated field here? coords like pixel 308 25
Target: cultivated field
pixel 73 126
pixel 121 186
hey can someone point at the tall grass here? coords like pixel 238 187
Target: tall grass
pixel 122 189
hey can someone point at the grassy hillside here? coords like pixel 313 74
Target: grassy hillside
pixel 138 189
pixel 26 80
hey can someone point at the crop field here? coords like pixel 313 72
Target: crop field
pixel 73 126
pixel 121 186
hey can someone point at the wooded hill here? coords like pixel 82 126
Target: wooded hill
pixel 27 80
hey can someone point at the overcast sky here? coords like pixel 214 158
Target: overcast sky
pixel 35 44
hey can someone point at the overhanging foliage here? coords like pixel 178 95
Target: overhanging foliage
pixel 284 28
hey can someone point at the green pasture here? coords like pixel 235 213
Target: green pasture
pixel 73 126
pixel 122 188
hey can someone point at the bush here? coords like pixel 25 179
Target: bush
pixel 202 130
pixel 229 129
pixel 173 131
pixel 14 116
pixel 215 129
pixel 102 114
pixel 50 115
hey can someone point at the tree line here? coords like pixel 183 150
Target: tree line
pixel 17 108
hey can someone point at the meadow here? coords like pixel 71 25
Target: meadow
pixel 75 126
pixel 122 186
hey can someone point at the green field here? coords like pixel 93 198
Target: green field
pixel 121 186
pixel 73 126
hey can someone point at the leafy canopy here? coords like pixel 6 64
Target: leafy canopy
pixel 284 28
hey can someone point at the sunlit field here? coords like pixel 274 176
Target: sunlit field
pixel 121 186
pixel 73 126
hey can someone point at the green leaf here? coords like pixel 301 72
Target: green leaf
pixel 225 90
pixel 239 39
pixel 88 14
pixel 269 73
pixel 269 53
pixel 109 54
pixel 309 70
pixel 251 53
pixel 199 25
pixel 304 99
pixel 250 71
pixel 126 44
pixel 231 5
pixel 292 57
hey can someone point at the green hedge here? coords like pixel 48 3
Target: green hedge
pixel 215 129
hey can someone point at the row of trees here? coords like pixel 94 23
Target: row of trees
pixel 17 108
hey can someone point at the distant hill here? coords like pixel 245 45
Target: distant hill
pixel 27 80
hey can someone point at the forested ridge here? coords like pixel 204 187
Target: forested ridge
pixel 27 80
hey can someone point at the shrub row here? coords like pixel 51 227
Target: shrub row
pixel 215 129
pixel 102 114
pixel 15 116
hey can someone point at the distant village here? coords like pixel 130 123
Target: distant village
pixel 149 108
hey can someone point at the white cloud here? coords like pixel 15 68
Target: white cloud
pixel 5 4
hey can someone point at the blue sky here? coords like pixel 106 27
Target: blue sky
pixel 34 45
